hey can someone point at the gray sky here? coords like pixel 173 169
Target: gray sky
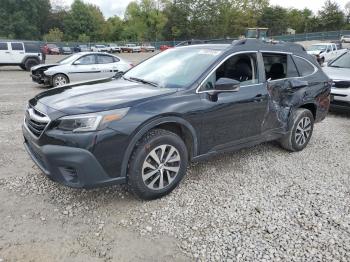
pixel 117 7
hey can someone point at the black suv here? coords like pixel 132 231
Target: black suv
pixel 187 103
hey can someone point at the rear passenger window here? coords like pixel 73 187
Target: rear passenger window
pixel 279 66
pixel 17 46
pixel 3 46
pixel 304 67
pixel 105 59
pixel 275 66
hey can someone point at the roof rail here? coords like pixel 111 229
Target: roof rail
pixel 259 42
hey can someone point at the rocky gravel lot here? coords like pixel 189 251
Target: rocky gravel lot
pixel 257 204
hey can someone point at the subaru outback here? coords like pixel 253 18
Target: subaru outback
pixel 186 104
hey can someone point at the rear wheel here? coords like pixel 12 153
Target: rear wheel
pixel 59 80
pixel 29 63
pixel 157 165
pixel 22 67
pixel 301 131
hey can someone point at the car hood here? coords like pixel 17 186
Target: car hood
pixel 336 73
pixel 43 66
pixel 315 52
pixel 100 95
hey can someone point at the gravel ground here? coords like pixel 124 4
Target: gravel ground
pixel 257 204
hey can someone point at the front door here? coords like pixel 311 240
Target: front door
pixel 235 117
pixel 85 68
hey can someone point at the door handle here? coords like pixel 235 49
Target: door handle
pixel 7 52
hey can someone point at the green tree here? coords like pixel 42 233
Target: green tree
pixel 23 19
pixel 83 19
pixel 274 17
pixel 83 38
pixel 54 35
pixel 144 20
pixel 113 29
pixel 331 17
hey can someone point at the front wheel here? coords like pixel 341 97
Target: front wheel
pixel 59 80
pixel 301 131
pixel 157 165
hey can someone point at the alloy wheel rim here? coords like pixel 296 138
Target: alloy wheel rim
pixel 60 80
pixel 161 167
pixel 303 131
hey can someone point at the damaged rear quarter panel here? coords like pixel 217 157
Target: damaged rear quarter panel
pixel 284 100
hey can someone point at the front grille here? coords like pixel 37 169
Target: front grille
pixel 36 121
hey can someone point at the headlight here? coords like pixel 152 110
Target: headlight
pixel 90 122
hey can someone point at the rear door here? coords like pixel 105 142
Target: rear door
pixel 5 53
pixel 85 68
pixel 108 65
pixel 17 52
pixel 279 68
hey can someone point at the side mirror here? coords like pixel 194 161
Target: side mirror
pixel 223 85
pixel 227 85
pixel 297 84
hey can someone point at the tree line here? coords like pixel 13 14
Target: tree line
pixel 154 20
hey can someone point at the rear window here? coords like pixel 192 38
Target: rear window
pixel 32 47
pixel 105 59
pixel 3 46
pixel 17 46
pixel 305 68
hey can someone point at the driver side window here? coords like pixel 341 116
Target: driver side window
pixel 241 67
pixel 87 60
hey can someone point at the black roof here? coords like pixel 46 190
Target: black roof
pixel 255 45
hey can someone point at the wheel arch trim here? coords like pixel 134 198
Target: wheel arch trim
pixel 150 125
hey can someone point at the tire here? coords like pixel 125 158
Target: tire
pixel 59 80
pixel 29 63
pixel 301 131
pixel 322 60
pixel 22 67
pixel 161 180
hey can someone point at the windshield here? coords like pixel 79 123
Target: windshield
pixel 174 68
pixel 100 46
pixel 68 59
pixel 342 61
pixel 317 48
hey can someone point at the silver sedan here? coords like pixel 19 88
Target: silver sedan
pixel 79 67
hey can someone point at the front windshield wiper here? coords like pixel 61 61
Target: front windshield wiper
pixel 143 81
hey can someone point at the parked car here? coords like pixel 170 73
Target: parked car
pixel 81 66
pixel 339 71
pixel 345 39
pixel 325 51
pixel 147 48
pixel 131 48
pixel 65 50
pixel 81 48
pixel 184 104
pixel 99 48
pixel 22 54
pixel 113 48
pixel 53 49
pixel 165 47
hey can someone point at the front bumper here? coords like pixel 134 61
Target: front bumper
pixel 340 97
pixel 71 166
